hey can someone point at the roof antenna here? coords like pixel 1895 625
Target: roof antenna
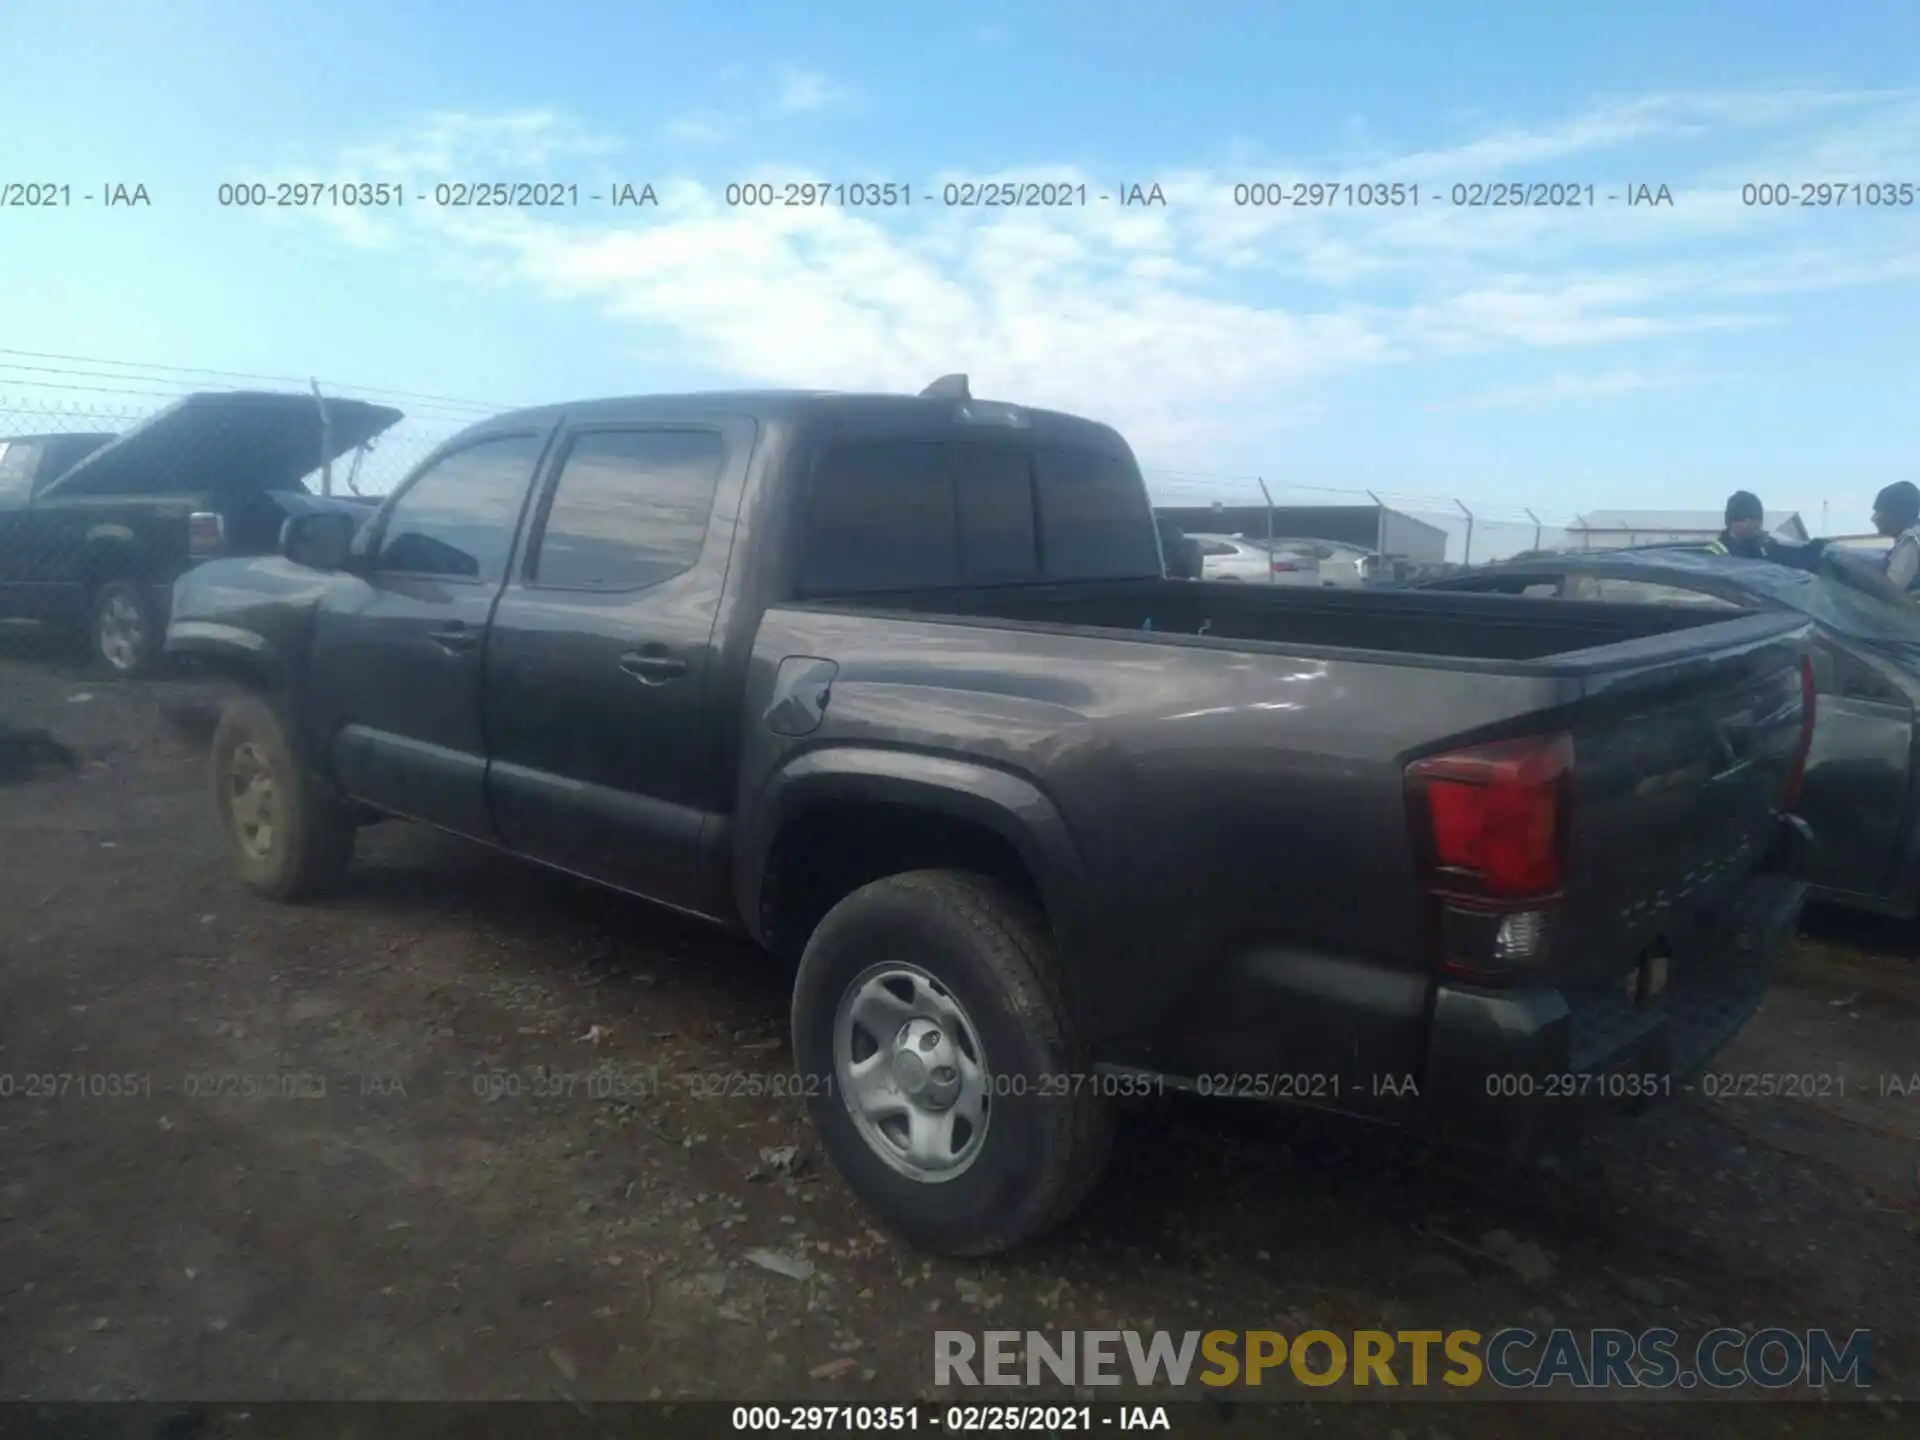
pixel 948 387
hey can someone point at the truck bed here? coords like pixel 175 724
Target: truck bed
pixel 1236 772
pixel 1421 624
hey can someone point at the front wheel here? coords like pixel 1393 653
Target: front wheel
pixel 123 628
pixel 943 1074
pixel 291 839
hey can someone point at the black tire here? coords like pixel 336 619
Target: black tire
pixel 308 843
pixel 1045 1142
pixel 124 629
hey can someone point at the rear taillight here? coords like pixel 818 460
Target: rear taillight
pixel 1495 815
pixel 1807 710
pixel 206 533
pixel 1491 826
pixel 1284 567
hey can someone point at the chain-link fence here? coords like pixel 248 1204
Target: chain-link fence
pixel 1423 526
pixel 109 493
pixel 110 490
pixel 1428 529
pixel 28 425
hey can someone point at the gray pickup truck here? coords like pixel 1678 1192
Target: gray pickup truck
pixel 897 686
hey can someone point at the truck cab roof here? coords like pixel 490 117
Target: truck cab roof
pixel 828 409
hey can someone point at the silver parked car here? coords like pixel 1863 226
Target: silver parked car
pixel 1346 566
pixel 1242 558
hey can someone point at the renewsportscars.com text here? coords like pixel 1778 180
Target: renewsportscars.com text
pixel 1508 1359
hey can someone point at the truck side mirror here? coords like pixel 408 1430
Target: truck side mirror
pixel 319 542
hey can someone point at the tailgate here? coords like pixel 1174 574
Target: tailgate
pixel 1681 764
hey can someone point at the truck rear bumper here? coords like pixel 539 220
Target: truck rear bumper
pixel 1523 1069
pixel 1514 1068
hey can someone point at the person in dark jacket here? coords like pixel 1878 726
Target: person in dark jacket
pixel 1746 538
pixel 1745 535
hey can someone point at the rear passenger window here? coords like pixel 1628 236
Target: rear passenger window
pixel 880 517
pixel 994 502
pixel 1094 520
pixel 630 509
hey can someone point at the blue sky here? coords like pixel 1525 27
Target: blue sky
pixel 1562 360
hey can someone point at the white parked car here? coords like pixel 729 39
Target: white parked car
pixel 1242 558
pixel 1340 564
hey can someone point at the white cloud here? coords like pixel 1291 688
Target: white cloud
pixel 1204 318
pixel 447 141
pixel 1536 395
pixel 694 130
pixel 799 91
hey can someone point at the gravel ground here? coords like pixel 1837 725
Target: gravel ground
pixel 433 1228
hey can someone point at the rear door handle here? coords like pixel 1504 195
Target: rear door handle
pixel 653 667
pixel 457 639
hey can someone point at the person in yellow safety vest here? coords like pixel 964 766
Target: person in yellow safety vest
pixel 1745 533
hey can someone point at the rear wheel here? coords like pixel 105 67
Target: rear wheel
pixel 291 838
pixel 123 628
pixel 942 1069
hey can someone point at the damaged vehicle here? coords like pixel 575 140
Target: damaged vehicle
pixel 898 687
pixel 1860 793
pixel 95 528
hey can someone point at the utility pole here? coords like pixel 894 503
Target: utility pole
pixel 326 440
pixel 1267 495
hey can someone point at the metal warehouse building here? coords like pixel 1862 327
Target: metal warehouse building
pixel 1616 529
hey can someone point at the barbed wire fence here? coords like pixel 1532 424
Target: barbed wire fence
pixel 49 394
pixel 45 393
pixel 1460 530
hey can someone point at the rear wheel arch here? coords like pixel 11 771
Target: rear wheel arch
pixel 110 553
pixel 834 820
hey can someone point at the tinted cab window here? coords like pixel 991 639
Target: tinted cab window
pixel 630 509
pixel 909 514
pixel 456 521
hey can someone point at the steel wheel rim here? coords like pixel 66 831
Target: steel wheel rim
pixel 909 1064
pixel 122 631
pixel 251 800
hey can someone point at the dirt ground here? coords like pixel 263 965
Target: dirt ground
pixel 430 1227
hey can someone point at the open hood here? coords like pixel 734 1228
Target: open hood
pixel 225 441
